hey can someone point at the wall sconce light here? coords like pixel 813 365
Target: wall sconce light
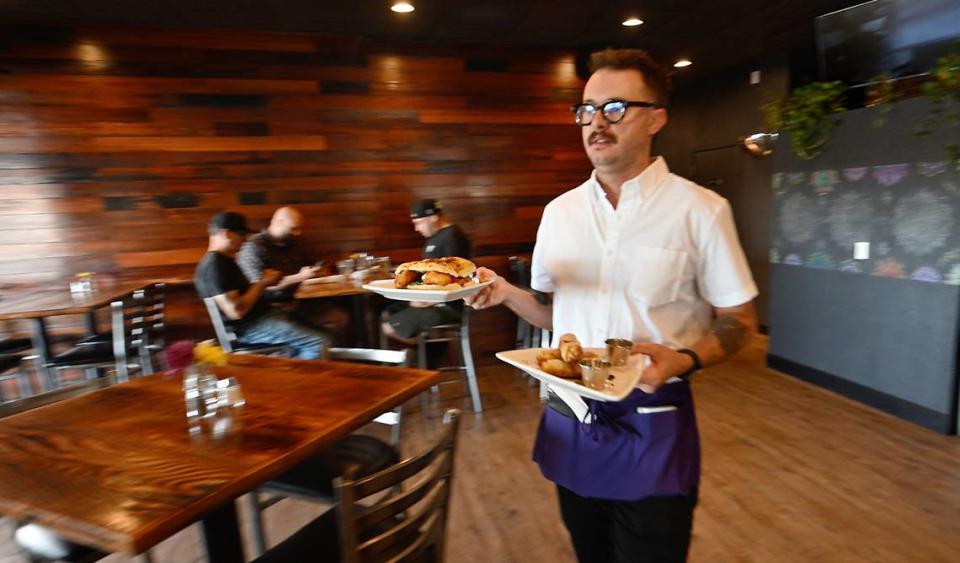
pixel 759 144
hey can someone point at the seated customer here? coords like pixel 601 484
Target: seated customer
pixel 278 248
pixel 405 320
pixel 242 302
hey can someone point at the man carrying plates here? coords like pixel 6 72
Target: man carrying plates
pixel 635 252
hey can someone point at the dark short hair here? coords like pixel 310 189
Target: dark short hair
pixel 654 76
pixel 228 220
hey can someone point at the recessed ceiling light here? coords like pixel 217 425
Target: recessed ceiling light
pixel 402 7
pixel 682 63
pixel 632 22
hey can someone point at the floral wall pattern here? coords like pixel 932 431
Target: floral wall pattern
pixel 908 212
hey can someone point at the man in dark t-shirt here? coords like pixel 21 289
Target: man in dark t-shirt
pixel 405 320
pixel 242 303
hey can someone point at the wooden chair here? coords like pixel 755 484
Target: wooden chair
pixel 398 514
pixel 227 338
pixel 136 325
pixel 458 333
pixel 313 479
pixel 151 303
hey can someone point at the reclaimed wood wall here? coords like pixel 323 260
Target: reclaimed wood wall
pixel 117 145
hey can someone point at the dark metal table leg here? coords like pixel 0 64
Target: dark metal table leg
pixel 361 333
pixel 221 535
pixel 90 323
pixel 41 342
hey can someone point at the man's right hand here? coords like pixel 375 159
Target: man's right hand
pixel 270 277
pixel 308 272
pixel 492 295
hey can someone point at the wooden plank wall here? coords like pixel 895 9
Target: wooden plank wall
pixel 117 144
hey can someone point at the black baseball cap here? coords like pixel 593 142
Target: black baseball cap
pixel 230 221
pixel 425 208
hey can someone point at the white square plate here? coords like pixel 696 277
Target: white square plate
pixel 621 382
pixel 388 290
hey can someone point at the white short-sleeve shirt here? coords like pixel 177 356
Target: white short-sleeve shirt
pixel 649 270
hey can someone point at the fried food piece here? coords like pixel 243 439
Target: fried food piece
pixel 546 355
pixel 570 349
pixel 437 278
pixel 560 368
pixel 405 278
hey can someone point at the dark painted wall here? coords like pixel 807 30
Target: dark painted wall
pixel 882 330
pixel 707 118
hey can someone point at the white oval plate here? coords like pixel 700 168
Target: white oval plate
pixel 388 290
pixel 621 382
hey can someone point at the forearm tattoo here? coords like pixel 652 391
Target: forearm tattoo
pixel 730 332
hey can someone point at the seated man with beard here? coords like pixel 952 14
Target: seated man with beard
pixel 278 247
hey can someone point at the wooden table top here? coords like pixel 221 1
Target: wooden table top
pixel 318 290
pixel 35 302
pixel 118 468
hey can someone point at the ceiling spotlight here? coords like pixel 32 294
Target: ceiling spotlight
pixel 402 7
pixel 682 63
pixel 632 22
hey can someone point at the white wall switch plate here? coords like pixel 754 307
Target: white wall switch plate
pixel 861 251
pixel 755 77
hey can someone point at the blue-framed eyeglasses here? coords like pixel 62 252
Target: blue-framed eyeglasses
pixel 613 110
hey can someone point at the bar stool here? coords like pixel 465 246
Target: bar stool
pixel 460 334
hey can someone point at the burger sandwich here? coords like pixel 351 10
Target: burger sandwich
pixel 435 273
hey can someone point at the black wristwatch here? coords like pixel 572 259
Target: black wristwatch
pixel 696 363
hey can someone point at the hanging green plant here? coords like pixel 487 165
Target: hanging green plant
pixel 807 114
pixel 943 90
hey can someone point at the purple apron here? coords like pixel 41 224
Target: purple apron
pixel 624 455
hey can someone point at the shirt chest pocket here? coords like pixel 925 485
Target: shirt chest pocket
pixel 656 275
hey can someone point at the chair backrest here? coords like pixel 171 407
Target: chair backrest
pixel 399 526
pixel 150 302
pixel 371 356
pixel 225 337
pixel 137 323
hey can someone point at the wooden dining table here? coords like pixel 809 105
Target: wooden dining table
pixel 121 468
pixel 318 289
pixel 36 304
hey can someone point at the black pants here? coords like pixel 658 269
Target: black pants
pixel 651 530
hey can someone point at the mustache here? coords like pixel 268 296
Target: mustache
pixel 594 136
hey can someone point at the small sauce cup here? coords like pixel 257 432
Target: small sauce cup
pixel 618 351
pixel 595 372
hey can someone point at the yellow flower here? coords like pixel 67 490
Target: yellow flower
pixel 209 353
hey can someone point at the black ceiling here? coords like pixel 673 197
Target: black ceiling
pixel 715 34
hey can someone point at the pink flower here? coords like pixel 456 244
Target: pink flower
pixel 179 354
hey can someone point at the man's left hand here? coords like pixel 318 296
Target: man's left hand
pixel 664 364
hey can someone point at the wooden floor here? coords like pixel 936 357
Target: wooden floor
pixel 791 473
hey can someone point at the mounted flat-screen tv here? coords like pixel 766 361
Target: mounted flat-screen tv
pixel 899 38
